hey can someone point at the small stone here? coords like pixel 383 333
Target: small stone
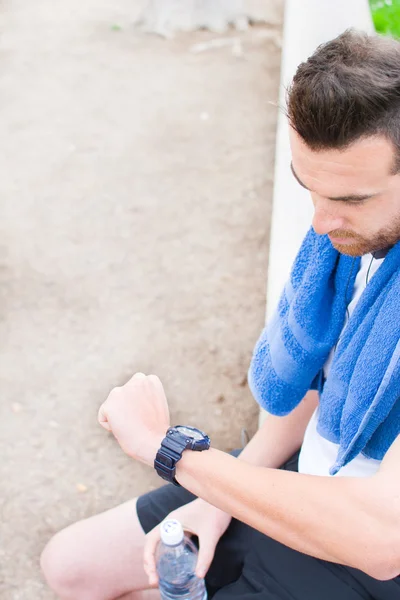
pixel 53 424
pixel 16 407
pixel 220 399
pixel 218 412
pixel 243 380
pixel 204 116
pixel 81 488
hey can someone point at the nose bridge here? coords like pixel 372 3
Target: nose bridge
pixel 326 215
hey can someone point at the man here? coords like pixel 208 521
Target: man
pixel 327 368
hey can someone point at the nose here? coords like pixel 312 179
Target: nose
pixel 325 219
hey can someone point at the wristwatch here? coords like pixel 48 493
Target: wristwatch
pixel 177 440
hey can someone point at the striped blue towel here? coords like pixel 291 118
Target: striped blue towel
pixel 360 401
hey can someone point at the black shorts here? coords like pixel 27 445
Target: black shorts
pixel 249 565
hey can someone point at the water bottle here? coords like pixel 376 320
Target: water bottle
pixel 176 559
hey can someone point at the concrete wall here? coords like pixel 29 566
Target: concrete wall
pixel 307 24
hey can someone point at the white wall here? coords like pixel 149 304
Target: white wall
pixel 307 24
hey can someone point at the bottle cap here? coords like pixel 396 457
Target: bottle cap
pixel 171 532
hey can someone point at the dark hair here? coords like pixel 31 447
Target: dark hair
pixel 348 89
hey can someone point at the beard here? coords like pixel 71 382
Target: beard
pixel 385 238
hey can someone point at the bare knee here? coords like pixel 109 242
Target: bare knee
pixel 63 567
pixel 98 558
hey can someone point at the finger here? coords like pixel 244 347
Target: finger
pixel 149 559
pixel 160 388
pixel 102 418
pixel 137 378
pixel 156 381
pixel 207 548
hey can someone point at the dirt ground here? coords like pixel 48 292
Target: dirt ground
pixel 135 203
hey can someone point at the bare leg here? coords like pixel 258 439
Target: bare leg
pixel 100 558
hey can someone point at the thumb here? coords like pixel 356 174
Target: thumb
pixel 149 559
pixel 207 546
pixel 102 417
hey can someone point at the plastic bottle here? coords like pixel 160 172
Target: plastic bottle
pixel 176 559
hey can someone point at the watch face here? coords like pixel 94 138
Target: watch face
pixel 190 432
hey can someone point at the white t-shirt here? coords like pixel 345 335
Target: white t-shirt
pixel 318 454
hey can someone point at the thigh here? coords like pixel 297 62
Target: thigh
pixel 248 564
pixel 153 507
pixel 272 571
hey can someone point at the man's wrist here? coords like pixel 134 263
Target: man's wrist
pixel 152 447
pixel 191 464
pixel 156 445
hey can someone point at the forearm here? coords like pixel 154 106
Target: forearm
pixel 279 438
pixel 329 518
pixel 353 521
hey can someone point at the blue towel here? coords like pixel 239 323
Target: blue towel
pixel 360 401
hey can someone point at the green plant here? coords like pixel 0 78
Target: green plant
pixel 386 16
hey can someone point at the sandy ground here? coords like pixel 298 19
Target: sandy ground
pixel 135 203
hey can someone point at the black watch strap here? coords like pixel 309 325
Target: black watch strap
pixel 177 440
pixel 167 457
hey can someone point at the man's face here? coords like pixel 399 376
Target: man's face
pixel 356 197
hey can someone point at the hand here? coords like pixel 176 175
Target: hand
pixel 138 416
pixel 199 518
